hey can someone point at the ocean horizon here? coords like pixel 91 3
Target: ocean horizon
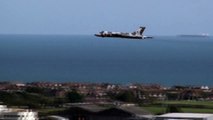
pixel 165 60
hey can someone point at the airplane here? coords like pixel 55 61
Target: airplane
pixel 134 35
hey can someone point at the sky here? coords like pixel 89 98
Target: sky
pixel 160 17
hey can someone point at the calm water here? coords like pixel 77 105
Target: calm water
pixel 164 60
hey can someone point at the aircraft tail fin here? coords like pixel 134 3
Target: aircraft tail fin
pixel 139 31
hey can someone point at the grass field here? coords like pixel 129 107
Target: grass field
pixel 43 112
pixel 161 110
pixel 186 102
pixel 185 106
pixel 155 109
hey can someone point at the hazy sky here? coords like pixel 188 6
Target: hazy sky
pixel 161 17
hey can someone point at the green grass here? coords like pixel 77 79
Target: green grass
pixel 185 106
pixel 161 110
pixel 44 112
pixel 155 109
pixel 196 110
pixel 186 102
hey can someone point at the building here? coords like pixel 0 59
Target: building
pixel 103 112
pixel 17 114
pixel 53 117
pixel 185 116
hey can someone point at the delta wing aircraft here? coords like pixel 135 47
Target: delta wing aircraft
pixel 134 35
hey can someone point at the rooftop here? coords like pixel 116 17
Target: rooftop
pixel 186 115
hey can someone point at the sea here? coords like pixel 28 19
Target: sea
pixel 164 60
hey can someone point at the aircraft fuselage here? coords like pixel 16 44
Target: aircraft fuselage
pixel 119 36
pixel 134 35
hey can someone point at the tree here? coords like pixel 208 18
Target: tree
pixel 34 90
pixel 126 96
pixel 74 97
